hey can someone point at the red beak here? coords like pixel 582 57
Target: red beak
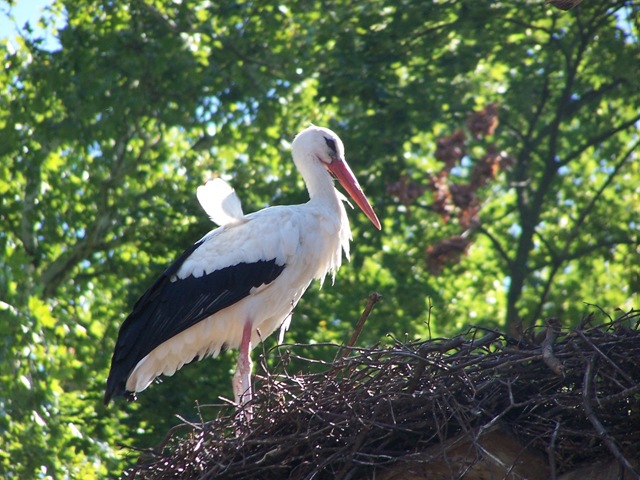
pixel 347 179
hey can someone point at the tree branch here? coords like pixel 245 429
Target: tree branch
pixel 557 260
pixel 590 206
pixel 584 251
pixel 496 244
pixel 592 96
pixel 530 210
pixel 597 140
pixel 59 269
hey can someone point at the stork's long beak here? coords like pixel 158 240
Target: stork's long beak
pixel 347 179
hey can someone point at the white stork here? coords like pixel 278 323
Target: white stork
pixel 241 281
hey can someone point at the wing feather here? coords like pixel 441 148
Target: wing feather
pixel 173 304
pixel 225 266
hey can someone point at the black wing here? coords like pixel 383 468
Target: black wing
pixel 170 307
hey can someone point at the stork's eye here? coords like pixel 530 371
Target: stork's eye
pixel 331 143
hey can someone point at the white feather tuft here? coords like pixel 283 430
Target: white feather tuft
pixel 220 202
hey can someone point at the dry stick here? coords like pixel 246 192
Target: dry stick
pixel 358 441
pixel 551 452
pixel 415 407
pixel 427 348
pixel 444 347
pixel 597 425
pixel 373 299
pixel 616 397
pixel 478 343
pixel 553 330
pixel 605 358
pixel 343 352
pixel 586 320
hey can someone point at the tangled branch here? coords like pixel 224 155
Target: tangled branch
pixel 552 402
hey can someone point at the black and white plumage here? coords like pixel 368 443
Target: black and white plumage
pixel 241 281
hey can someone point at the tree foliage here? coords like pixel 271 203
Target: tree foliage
pixel 105 136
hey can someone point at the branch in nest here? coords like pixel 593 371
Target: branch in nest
pixel 597 425
pixel 553 330
pixel 373 299
pixel 390 409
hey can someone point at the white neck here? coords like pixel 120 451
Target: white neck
pixel 317 179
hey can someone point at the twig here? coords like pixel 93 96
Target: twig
pixel 605 358
pixel 586 320
pixel 481 342
pixel 373 299
pixel 551 452
pixel 351 418
pixel 597 425
pixel 427 348
pixel 553 330
pixel 601 310
pixel 617 397
pixel 449 344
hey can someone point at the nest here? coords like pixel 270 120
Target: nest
pixel 554 404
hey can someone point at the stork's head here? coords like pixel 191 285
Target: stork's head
pixel 325 144
pixel 322 145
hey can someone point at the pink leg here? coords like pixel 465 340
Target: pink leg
pixel 242 377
